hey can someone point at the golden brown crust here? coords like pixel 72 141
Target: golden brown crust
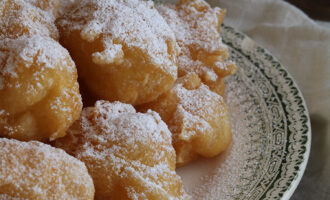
pixel 124 50
pixel 128 154
pixel 197 117
pixel 219 86
pixel 27 18
pixel 33 170
pixel 197 29
pixel 39 93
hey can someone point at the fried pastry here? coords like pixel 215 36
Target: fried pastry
pixel 33 170
pixel 129 155
pixel 197 117
pixel 28 17
pixel 218 86
pixel 39 93
pixel 124 50
pixel 196 26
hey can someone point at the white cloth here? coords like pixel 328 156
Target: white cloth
pixel 303 47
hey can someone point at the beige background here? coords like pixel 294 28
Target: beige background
pixel 303 47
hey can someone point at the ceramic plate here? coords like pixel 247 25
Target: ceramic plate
pixel 271 131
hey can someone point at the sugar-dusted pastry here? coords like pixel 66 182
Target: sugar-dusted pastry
pixel 124 50
pixel 128 154
pixel 197 117
pixel 28 17
pixel 196 26
pixel 66 6
pixel 39 92
pixel 33 170
pixel 218 86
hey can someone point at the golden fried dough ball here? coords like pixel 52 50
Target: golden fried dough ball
pixel 197 117
pixel 124 50
pixel 196 26
pixel 39 93
pixel 129 155
pixel 28 17
pixel 33 170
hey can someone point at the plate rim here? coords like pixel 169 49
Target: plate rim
pixel 302 167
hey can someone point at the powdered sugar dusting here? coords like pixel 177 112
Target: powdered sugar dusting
pixel 119 124
pixel 66 6
pixel 43 51
pixel 41 171
pixel 233 162
pixel 118 143
pixel 196 27
pixel 27 17
pixel 60 108
pixel 33 67
pixel 218 178
pixel 133 127
pixel 134 23
pixel 196 107
pixel 27 30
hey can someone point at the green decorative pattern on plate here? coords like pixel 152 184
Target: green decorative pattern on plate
pixel 286 130
pixel 271 131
